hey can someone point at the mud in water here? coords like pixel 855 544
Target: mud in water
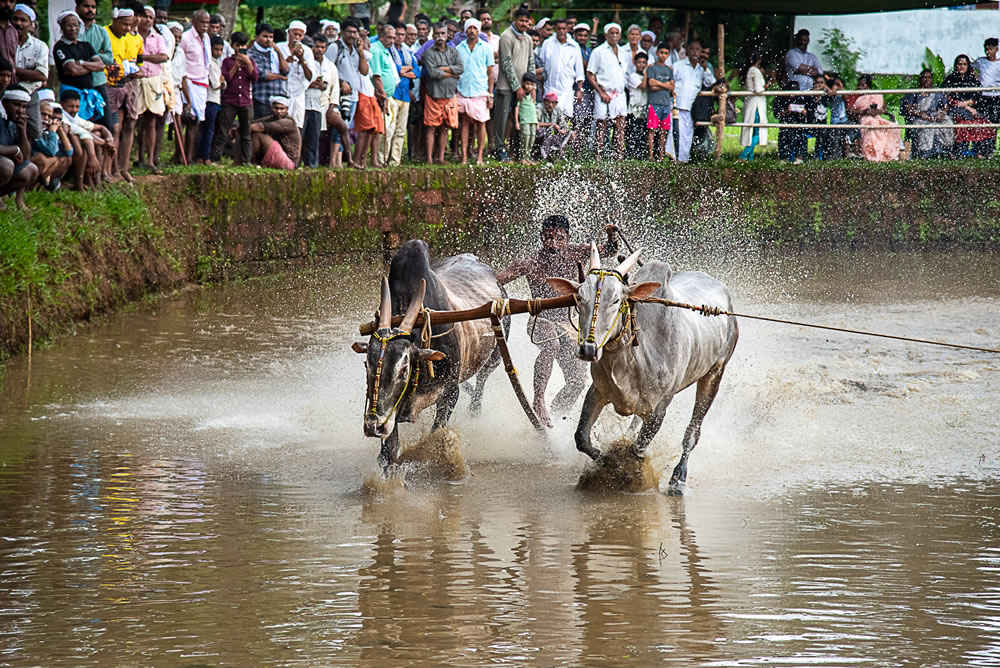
pixel 438 455
pixel 619 471
pixel 182 481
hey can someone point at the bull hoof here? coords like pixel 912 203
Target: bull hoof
pixel 637 454
pixel 675 488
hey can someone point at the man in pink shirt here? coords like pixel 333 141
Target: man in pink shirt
pixel 150 103
pixel 197 48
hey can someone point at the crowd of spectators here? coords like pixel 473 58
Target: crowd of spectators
pixel 346 94
pixel 958 120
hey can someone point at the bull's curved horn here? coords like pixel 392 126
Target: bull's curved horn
pixel 595 257
pixel 385 310
pixel 414 307
pixel 625 266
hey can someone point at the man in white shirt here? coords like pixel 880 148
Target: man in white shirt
pixel 301 66
pixel 31 64
pixel 323 90
pixel 689 78
pixel 606 73
pixel 563 67
pixel 988 68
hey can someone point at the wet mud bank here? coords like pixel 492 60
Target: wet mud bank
pixel 81 255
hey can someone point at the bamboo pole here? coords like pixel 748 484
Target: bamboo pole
pixel 888 91
pixel 448 317
pixel 854 126
pixel 720 130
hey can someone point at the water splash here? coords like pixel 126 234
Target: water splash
pixel 619 471
pixel 437 455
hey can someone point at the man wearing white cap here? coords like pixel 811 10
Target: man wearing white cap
pixel 16 169
pixel 646 40
pixel 123 90
pixel 301 66
pixel 564 71
pixel 606 73
pixel 475 88
pixel 275 139
pixel 331 29
pixel 31 65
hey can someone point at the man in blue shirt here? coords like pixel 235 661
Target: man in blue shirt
pixel 408 71
pixel 475 88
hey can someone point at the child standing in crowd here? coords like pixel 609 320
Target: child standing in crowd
pixel 659 80
pixel 638 108
pixel 526 117
pixel 213 103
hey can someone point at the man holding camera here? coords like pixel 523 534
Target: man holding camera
pixel 301 66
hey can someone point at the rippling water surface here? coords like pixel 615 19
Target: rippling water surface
pixel 181 485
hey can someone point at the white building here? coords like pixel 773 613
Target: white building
pixel 895 42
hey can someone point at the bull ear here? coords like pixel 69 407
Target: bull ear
pixel 563 286
pixel 432 355
pixel 642 291
pixel 359 347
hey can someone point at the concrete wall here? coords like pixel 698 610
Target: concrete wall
pixel 895 42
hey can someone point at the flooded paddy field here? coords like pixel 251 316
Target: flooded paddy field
pixel 182 485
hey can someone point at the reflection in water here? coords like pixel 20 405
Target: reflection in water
pixel 181 485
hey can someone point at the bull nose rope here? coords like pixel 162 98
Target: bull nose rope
pixel 383 340
pixel 625 309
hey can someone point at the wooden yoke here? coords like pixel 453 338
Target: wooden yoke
pixel 533 306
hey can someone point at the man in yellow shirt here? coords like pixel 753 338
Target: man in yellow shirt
pixel 123 88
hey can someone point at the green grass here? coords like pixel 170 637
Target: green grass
pixel 38 250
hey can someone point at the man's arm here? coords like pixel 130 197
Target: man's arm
pixel 104 52
pixel 283 67
pixel 308 63
pixel 507 64
pixel 516 270
pixel 40 72
pixel 457 66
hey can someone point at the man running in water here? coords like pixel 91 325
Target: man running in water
pixel 551 330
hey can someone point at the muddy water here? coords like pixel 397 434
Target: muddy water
pixel 181 485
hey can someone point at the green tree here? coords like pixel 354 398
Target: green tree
pixel 841 55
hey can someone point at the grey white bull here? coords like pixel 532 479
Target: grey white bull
pixel 404 376
pixel 675 347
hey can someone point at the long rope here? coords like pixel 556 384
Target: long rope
pixel 713 311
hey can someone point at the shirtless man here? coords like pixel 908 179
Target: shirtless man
pixel 551 330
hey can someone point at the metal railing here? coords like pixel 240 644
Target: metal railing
pixel 722 125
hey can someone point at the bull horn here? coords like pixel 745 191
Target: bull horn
pixel 414 307
pixel 385 311
pixel 628 263
pixel 595 257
